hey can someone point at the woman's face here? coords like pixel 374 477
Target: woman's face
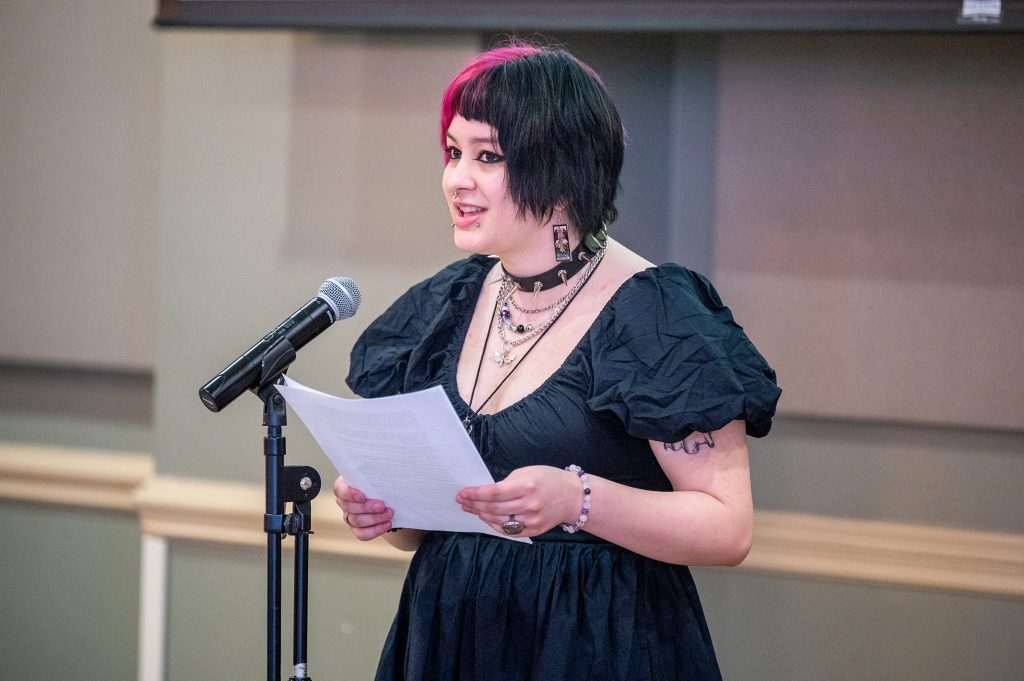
pixel 484 215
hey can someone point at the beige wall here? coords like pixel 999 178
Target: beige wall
pixel 869 221
pixel 79 169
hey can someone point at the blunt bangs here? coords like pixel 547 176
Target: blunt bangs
pixel 557 128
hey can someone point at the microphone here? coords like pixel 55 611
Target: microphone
pixel 337 298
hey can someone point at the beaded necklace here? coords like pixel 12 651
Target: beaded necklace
pixel 504 355
pixel 508 288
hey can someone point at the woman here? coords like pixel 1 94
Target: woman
pixel 611 400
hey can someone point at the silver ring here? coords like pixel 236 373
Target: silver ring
pixel 344 517
pixel 512 526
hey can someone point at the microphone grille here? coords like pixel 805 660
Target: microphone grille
pixel 342 294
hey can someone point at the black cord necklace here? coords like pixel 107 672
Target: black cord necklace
pixel 467 422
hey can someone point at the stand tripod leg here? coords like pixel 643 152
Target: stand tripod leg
pixel 274 607
pixel 274 417
pixel 301 593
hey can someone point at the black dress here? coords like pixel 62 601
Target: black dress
pixel 663 359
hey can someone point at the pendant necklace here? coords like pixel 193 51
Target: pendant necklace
pixel 467 422
pixel 505 357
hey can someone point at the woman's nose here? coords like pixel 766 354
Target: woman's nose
pixel 458 176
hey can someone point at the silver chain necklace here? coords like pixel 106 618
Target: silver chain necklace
pixel 513 303
pixel 504 356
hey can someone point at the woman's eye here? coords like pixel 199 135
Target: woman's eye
pixel 490 157
pixel 453 153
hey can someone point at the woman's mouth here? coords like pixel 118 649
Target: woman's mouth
pixel 468 216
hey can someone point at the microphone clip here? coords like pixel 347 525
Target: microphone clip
pixel 274 366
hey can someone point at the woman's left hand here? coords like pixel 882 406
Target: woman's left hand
pixel 540 497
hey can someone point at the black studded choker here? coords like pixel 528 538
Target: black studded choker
pixel 565 270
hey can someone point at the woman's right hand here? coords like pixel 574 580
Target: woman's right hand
pixel 367 518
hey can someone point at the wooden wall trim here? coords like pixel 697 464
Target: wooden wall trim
pixel 204 510
pixel 892 553
pixel 786 543
pixel 72 477
pixel 900 554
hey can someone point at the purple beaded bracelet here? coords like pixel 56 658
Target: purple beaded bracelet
pixel 585 511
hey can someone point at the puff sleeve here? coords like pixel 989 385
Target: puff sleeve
pixel 405 348
pixel 671 360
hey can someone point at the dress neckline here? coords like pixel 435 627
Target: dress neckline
pixel 451 369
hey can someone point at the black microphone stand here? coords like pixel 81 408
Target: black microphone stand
pixel 298 485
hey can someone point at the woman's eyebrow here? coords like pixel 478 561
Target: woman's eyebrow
pixel 475 140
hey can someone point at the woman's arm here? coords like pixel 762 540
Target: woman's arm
pixel 706 520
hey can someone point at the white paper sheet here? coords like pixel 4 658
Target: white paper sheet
pixel 409 450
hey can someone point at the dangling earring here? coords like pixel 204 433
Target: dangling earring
pixel 560 234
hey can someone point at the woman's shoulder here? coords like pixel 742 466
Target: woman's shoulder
pixel 670 288
pixel 675 285
pixel 418 325
pixel 670 359
pixel 664 305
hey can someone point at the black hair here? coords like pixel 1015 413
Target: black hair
pixel 557 128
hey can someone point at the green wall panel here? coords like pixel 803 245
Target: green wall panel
pixel 777 628
pixel 217 614
pixel 69 594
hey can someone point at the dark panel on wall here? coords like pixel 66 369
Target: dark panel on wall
pixel 121 396
pixel 577 15
pixel 693 131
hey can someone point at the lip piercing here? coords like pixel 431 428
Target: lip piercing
pixel 455 195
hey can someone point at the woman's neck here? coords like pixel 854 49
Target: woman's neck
pixel 534 258
pixel 536 261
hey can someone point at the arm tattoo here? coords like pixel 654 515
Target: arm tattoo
pixel 692 444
